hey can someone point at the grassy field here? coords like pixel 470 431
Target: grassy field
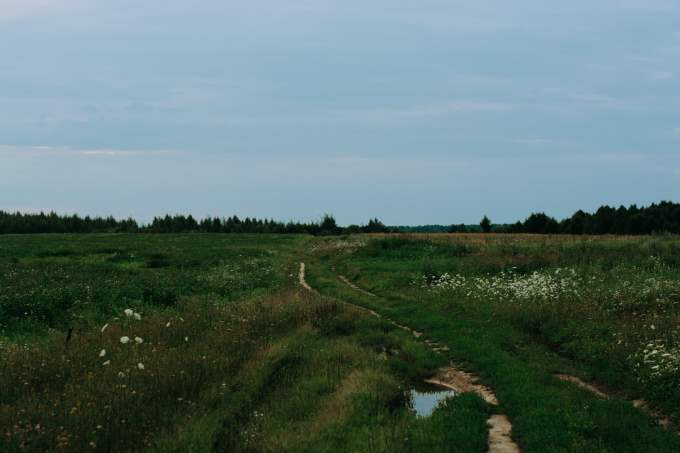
pixel 521 309
pixel 204 342
pixel 201 343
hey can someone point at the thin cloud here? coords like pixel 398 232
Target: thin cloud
pixel 601 101
pixel 663 75
pixel 369 115
pixel 17 150
pixel 17 9
pixel 423 111
pixel 396 162
pixel 120 152
pixel 443 109
pixel 531 141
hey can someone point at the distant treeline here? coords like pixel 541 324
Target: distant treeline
pixel 661 217
pixel 327 226
pixel 19 223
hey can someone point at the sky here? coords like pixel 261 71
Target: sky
pixel 414 112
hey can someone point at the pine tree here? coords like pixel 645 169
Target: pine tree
pixel 485 224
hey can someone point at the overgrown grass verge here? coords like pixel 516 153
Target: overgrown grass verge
pixel 489 338
pixel 289 372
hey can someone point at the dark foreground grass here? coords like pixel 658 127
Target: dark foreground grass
pixel 290 372
pixel 231 357
pixel 547 414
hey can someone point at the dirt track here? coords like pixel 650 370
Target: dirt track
pixel 500 428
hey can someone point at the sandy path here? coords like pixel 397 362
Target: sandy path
pixel 347 282
pixel 597 390
pixel 584 385
pixel 500 428
pixel 301 278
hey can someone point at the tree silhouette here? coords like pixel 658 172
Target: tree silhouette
pixel 328 225
pixel 663 217
pixel 485 224
pixel 461 228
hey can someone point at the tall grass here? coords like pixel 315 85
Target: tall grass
pixel 287 372
pixel 607 302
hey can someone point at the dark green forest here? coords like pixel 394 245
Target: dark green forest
pixel 20 223
pixel 657 218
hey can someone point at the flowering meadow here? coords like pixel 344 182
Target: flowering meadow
pixel 195 343
pixel 602 310
pixel 637 303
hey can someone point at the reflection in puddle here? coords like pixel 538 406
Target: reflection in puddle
pixel 424 403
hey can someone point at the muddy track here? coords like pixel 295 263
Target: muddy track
pixel 500 428
pixel 347 282
pixel 599 391
pixel 593 388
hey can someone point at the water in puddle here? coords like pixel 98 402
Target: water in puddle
pixel 425 402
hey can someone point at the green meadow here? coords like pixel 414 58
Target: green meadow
pixel 208 342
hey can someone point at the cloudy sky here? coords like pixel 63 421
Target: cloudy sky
pixel 415 112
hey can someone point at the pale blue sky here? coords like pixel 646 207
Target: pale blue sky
pixel 413 111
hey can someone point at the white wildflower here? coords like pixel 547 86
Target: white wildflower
pixel 137 316
pixel 128 312
pixel 102 353
pixel 140 365
pixel 107 363
pixel 124 340
pixel 138 340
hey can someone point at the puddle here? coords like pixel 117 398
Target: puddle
pixel 424 403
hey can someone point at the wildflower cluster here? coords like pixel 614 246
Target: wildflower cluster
pixel 562 282
pixel 639 293
pixel 656 361
pixel 130 313
pixel 231 277
pixel 350 245
pixel 123 339
pixel 657 264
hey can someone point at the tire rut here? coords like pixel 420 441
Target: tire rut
pixel 347 282
pixel 598 390
pixel 500 428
